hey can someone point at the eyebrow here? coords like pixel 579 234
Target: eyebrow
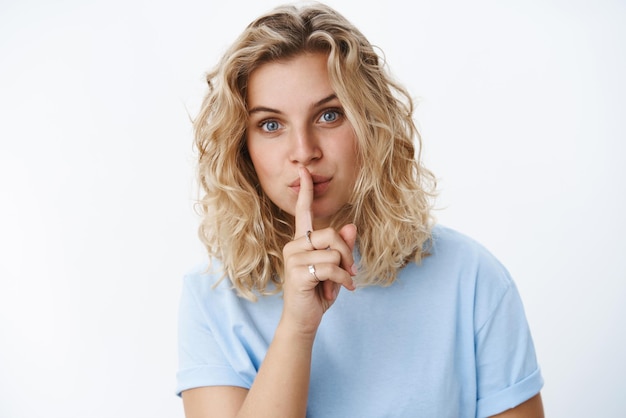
pixel 322 102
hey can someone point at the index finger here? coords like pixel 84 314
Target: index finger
pixel 304 215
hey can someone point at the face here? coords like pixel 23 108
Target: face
pixel 295 120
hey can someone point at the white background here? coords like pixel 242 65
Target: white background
pixel 522 109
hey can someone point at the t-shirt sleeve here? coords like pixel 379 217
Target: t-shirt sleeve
pixel 201 358
pixel 506 363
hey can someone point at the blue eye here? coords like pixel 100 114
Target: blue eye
pixel 329 116
pixel 270 126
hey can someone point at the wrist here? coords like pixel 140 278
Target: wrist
pixel 296 333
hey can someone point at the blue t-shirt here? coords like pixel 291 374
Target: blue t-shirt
pixel 448 338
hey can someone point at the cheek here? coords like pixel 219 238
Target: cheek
pixel 265 166
pixel 257 157
pixel 350 155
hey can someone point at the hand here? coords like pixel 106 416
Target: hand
pixel 307 297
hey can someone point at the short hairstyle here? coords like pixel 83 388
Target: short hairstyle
pixel 391 201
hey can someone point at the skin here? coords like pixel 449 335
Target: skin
pixel 304 153
pixel 287 131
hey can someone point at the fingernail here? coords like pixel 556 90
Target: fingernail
pixel 354 269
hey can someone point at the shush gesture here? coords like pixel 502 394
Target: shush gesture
pixel 317 263
pixel 302 110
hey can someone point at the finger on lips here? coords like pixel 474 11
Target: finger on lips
pixel 304 217
pixel 335 252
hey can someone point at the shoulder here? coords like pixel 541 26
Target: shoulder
pixel 488 303
pixel 463 263
pixel 452 242
pixel 206 287
pixel 466 255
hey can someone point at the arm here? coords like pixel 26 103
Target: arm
pixel 213 401
pixel 532 408
pixel 282 383
pixel 285 371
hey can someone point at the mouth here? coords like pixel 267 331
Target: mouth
pixel 320 185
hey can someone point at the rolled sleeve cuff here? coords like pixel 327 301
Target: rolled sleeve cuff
pixel 511 396
pixel 207 376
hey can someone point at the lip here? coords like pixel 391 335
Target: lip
pixel 320 184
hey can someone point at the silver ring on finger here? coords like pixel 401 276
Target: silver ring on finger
pixel 307 236
pixel 312 271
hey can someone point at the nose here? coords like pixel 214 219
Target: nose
pixel 304 146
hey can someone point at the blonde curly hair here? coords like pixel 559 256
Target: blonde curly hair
pixel 391 201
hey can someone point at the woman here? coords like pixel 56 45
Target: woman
pixel 312 184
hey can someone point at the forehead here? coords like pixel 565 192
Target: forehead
pixel 285 80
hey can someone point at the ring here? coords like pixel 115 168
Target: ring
pixel 312 271
pixel 308 239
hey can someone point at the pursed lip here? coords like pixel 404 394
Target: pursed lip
pixel 320 183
